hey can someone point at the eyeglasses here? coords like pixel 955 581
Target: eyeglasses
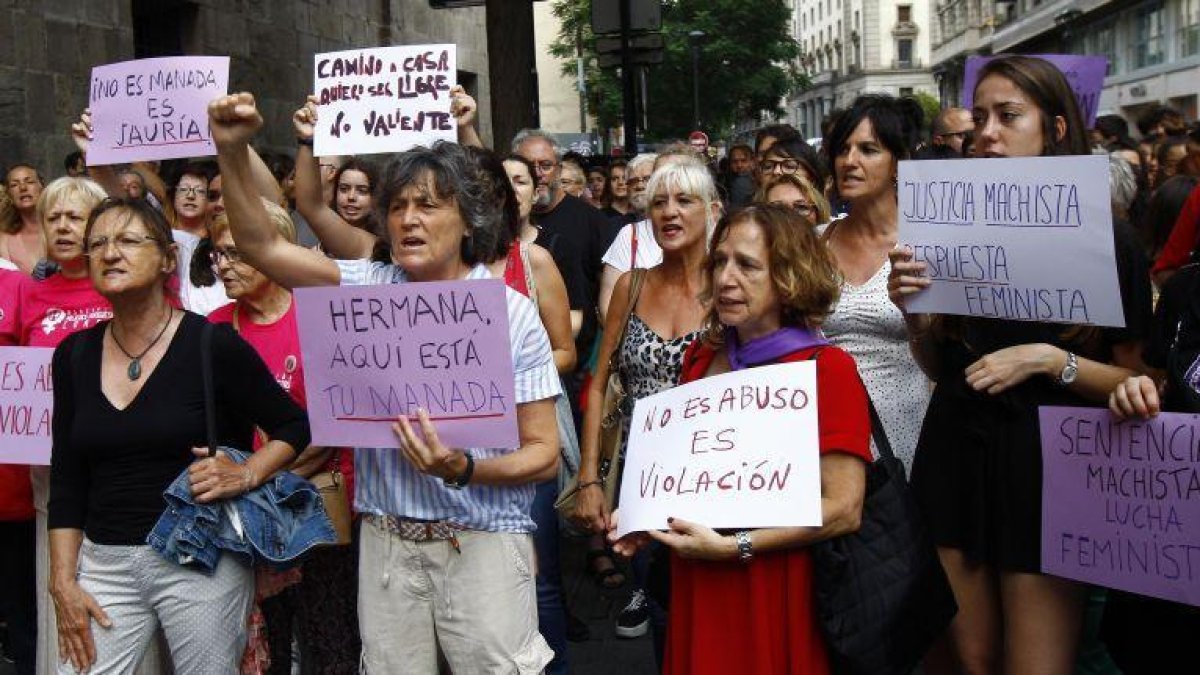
pixel 803 208
pixel 788 165
pixel 329 168
pixel 546 166
pixel 636 180
pixel 125 243
pixel 229 255
pixel 961 135
pixel 191 191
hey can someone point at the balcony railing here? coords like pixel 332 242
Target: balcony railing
pixel 911 64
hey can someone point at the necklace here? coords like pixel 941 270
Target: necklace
pixel 135 364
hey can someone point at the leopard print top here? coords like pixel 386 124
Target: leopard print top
pixel 649 363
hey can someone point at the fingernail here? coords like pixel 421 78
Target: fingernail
pixel 670 520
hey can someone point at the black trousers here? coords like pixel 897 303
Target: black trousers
pixel 18 593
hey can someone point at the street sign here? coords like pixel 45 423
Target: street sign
pixel 609 45
pixel 643 15
pixel 647 58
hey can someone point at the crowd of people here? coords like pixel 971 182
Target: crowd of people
pixel 165 289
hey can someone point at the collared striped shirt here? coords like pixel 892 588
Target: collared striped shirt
pixel 387 484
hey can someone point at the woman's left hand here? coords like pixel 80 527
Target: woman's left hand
pixel 1008 367
pixel 692 540
pixel 428 455
pixel 218 477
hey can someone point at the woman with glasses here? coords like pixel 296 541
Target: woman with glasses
pixel 191 200
pixel 316 602
pixel 794 192
pixel 865 146
pixel 129 417
pixel 792 155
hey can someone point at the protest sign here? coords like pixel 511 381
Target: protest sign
pixel 373 353
pixel 1085 74
pixel 1028 239
pixel 26 405
pixel 154 108
pixel 386 99
pixel 738 450
pixel 1121 501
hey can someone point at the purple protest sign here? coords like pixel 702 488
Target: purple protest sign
pixel 154 108
pixel 1121 501
pixel 373 353
pixel 1085 74
pixel 26 406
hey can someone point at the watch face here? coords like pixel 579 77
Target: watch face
pixel 1069 373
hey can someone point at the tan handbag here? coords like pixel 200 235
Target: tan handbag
pixel 332 486
pixel 614 422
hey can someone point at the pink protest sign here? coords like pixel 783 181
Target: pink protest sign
pixel 373 353
pixel 26 405
pixel 154 108
pixel 1085 75
pixel 1121 501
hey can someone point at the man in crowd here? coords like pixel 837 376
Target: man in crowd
pixel 950 127
pixel 739 185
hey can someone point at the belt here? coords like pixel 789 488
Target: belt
pixel 418 530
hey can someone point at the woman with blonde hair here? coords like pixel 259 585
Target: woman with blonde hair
pixel 793 191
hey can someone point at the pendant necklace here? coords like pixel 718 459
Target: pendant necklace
pixel 135 364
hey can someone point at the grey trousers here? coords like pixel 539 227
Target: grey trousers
pixel 203 617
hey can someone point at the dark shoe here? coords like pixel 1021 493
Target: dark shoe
pixel 634 620
pixel 604 571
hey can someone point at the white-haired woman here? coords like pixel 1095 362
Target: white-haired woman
pixel 666 317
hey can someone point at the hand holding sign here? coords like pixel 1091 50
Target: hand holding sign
pixel 425 450
pixel 81 132
pixel 234 120
pixel 1135 397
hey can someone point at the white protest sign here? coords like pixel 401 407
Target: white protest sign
pixel 154 108
pixel 386 99
pixel 1028 239
pixel 26 405
pixel 738 450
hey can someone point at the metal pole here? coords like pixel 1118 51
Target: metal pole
pixel 695 38
pixel 627 90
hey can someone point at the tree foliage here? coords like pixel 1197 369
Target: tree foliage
pixel 745 64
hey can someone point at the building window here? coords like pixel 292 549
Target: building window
pixel 1148 35
pixel 904 13
pixel 904 49
pixel 1104 43
pixel 906 92
pixel 1189 27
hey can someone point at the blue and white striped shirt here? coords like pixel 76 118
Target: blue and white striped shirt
pixel 387 484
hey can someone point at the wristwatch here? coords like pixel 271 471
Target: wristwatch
pixel 1069 371
pixel 459 482
pixel 744 545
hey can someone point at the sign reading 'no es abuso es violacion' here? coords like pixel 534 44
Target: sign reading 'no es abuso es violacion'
pixel 1121 501
pixel 26 405
pixel 374 353
pixel 387 99
pixel 738 450
pixel 154 108
pixel 1026 239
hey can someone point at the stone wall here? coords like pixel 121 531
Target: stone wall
pixel 48 47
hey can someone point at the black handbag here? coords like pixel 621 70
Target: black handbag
pixel 881 595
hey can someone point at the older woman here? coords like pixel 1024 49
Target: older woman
pixel 770 283
pixel 796 193
pixel 866 145
pixel 321 610
pixel 663 320
pixel 456 518
pixel 977 475
pixel 129 416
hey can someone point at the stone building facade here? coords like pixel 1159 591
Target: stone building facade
pixel 48 48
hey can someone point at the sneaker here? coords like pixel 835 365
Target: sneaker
pixel 634 620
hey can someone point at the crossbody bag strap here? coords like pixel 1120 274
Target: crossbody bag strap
pixel 633 247
pixel 636 281
pixel 210 408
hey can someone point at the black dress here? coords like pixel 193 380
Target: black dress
pixel 977 473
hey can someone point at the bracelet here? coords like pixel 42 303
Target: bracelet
pixel 745 546
pixel 305 141
pixel 248 480
pixel 590 483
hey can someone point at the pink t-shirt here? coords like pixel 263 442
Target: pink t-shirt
pixel 278 344
pixel 10 307
pixel 57 307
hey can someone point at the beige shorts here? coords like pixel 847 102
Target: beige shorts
pixel 477 603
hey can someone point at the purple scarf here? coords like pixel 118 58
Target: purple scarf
pixel 768 348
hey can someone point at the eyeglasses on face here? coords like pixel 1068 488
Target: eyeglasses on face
pixel 125 243
pixel 190 191
pixel 786 165
pixel 637 180
pixel 229 255
pixel 545 166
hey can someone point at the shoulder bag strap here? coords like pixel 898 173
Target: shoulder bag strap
pixel 633 247
pixel 210 412
pixel 636 281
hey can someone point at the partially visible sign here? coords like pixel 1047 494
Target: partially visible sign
pixel 385 99
pixel 373 353
pixel 1028 239
pixel 1121 501
pixel 154 108
pixel 738 450
pixel 26 405
pixel 1085 74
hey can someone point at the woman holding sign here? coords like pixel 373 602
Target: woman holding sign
pixel 977 474
pixel 743 602
pixel 455 519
